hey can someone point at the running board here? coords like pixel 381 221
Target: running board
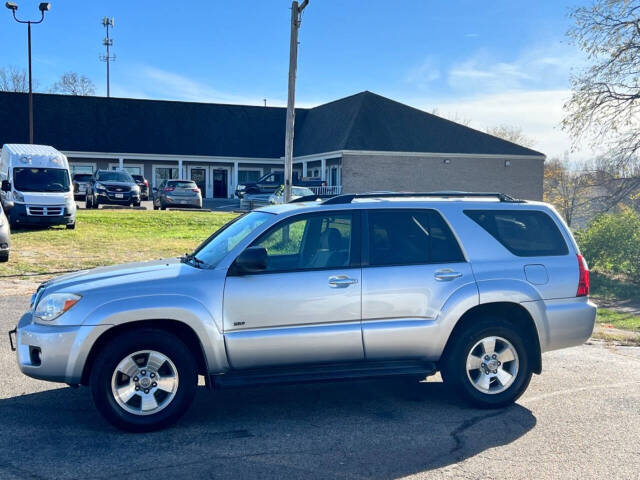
pixel 321 373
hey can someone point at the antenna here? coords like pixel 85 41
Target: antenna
pixel 108 43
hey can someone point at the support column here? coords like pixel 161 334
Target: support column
pixel 234 185
pixel 180 172
pixel 323 169
pixel 304 169
pixel 121 163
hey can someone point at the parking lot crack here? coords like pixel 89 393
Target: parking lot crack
pixel 457 433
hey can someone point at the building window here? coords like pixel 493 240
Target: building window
pixel 245 176
pixel 81 168
pixel 131 170
pixel 164 173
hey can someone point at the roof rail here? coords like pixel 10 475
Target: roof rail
pixel 311 198
pixel 348 198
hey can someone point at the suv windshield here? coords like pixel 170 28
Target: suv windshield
pixel 114 177
pixel 216 247
pixel 26 179
pixel 82 177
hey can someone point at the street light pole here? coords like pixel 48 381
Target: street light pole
pixel 43 7
pixel 296 18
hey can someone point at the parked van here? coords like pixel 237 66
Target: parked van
pixel 37 180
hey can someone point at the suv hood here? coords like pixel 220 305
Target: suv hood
pixel 44 198
pixel 116 184
pixel 115 275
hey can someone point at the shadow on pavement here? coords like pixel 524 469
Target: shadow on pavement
pixel 379 429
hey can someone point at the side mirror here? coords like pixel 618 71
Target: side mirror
pixel 6 186
pixel 252 260
pixel 7 205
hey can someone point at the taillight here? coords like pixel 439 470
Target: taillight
pixel 197 190
pixel 583 279
pixel 169 189
pixel 146 182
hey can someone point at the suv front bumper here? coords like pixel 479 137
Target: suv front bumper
pixel 54 353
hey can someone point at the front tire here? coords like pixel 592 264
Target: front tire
pixel 144 380
pixel 4 257
pixel 487 364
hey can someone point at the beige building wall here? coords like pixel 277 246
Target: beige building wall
pixel 523 178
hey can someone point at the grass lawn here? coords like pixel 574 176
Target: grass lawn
pixel 611 289
pixel 105 237
pixel 618 319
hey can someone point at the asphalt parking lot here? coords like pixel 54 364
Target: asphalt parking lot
pixel 220 204
pixel 580 419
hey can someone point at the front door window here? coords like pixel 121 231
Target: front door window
pixel 199 176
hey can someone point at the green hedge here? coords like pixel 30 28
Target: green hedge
pixel 611 244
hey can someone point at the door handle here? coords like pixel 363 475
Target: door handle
pixel 446 275
pixel 341 281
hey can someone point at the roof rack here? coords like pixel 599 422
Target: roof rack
pixel 348 198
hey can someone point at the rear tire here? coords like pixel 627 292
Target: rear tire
pixel 136 352
pixel 71 226
pixel 88 202
pixel 498 351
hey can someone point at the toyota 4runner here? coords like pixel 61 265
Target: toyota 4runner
pixel 476 286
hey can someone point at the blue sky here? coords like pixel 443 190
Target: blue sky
pixel 497 62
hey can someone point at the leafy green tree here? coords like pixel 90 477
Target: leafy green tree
pixel 611 244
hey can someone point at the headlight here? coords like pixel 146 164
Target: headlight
pixel 54 305
pixel 99 186
pixel 18 197
pixel 68 199
pixel 242 187
pixel 135 189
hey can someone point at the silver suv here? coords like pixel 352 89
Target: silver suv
pixel 475 286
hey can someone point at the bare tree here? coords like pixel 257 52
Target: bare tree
pixel 568 189
pixel 456 117
pixel 71 83
pixel 13 80
pixel 512 134
pixel 605 100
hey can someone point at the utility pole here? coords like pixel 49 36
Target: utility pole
pixel 43 7
pixel 108 42
pixel 296 20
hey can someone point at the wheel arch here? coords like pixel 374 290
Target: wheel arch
pixel 511 312
pixel 175 327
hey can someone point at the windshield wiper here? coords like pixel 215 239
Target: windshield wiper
pixel 191 259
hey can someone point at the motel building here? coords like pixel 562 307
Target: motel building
pixel 360 143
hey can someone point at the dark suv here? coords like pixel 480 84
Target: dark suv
pixel 143 183
pixel 112 187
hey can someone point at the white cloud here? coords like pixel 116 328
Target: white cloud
pixel 537 112
pixel 156 83
pixel 544 67
pixel 424 74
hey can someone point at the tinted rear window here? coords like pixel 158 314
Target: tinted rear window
pixel 524 233
pixel 82 177
pixel 181 184
pixel 138 178
pixel 410 237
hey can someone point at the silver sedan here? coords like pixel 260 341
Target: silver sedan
pixel 177 193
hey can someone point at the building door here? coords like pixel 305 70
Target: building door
pixel 220 184
pixel 199 175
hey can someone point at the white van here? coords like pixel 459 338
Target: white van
pixel 37 180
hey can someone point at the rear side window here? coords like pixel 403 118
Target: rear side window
pixel 410 237
pixel 524 233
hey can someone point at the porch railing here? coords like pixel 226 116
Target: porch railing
pixel 327 190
